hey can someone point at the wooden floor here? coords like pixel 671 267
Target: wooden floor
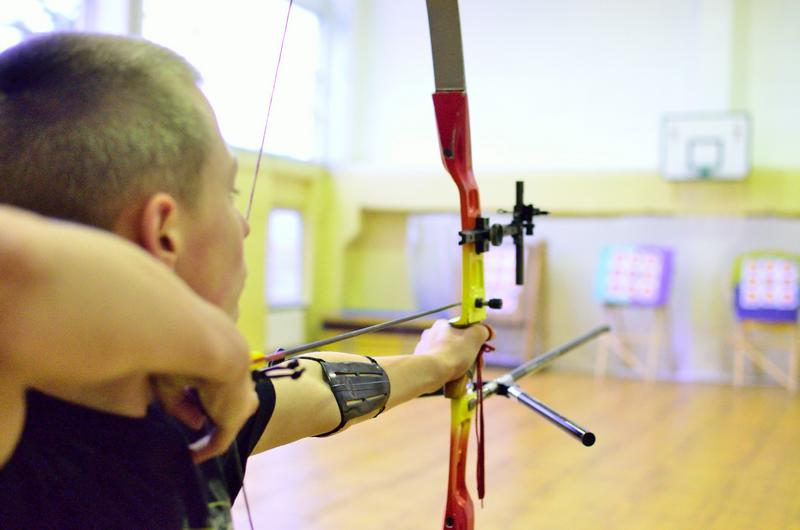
pixel 671 456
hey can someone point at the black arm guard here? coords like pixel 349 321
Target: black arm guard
pixel 359 388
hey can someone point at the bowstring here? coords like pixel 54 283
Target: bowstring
pixel 237 456
pixel 269 111
pixel 240 470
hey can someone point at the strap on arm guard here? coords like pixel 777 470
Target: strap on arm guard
pixel 359 388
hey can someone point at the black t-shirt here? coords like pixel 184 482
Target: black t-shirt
pixel 81 468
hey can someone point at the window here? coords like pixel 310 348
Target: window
pixel 20 19
pixel 236 54
pixel 284 270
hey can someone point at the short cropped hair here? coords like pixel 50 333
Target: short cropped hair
pixel 89 123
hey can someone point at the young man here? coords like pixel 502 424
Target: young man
pixel 113 132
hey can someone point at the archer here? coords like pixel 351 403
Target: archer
pixel 113 132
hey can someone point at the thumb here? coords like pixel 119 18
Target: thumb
pixel 489 330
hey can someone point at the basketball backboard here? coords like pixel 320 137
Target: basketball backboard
pixel 713 146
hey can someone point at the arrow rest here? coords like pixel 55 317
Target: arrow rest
pixel 289 369
pixel 521 225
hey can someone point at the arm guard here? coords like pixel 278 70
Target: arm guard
pixel 359 388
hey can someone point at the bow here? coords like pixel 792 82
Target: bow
pixel 452 119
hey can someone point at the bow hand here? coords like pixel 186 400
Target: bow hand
pixel 455 348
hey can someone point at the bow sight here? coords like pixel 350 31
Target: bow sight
pixel 521 225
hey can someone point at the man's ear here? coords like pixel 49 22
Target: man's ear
pixel 160 231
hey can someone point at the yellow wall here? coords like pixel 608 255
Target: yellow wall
pixel 358 259
pixel 376 266
pixel 283 183
pixel 377 273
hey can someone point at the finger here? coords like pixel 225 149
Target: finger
pixel 224 433
pixel 219 442
pixel 489 330
pixel 441 323
pixel 180 402
pixel 187 413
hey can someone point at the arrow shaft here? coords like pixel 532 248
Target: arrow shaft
pixel 282 354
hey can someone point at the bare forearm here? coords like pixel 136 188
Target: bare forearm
pixel 307 407
pixel 413 375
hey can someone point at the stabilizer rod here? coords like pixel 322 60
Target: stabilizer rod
pixel 587 438
pixel 537 363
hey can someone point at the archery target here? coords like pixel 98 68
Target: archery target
pixel 634 275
